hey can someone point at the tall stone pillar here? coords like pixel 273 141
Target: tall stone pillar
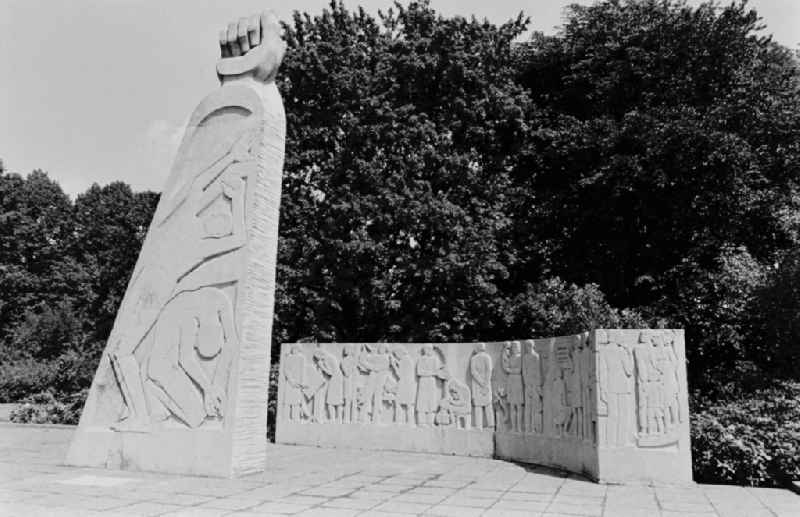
pixel 182 384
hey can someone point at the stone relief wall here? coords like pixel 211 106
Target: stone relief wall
pixel 643 416
pixel 182 384
pixel 555 401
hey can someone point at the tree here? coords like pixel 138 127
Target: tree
pixel 111 223
pixel 35 228
pixel 671 134
pixel 400 134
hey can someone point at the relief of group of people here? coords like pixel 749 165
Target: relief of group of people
pixel 549 393
pixel 640 393
pixel 358 387
pixel 365 381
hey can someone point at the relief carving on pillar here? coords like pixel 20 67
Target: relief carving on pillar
pixel 640 399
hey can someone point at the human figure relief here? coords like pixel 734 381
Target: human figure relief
pixel 666 363
pixel 454 408
pixel 314 391
pixel 647 379
pixel 403 367
pixel 547 392
pixel 499 393
pixel 196 328
pixel 429 368
pixel 616 392
pixel 349 367
pixel 480 368
pixel 334 396
pixel 376 364
pixel 201 218
pixel 558 399
pixel 589 381
pixel 672 384
pixel 532 380
pixel 294 367
pixel 512 364
pixel 573 382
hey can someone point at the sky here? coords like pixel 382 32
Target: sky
pixel 95 91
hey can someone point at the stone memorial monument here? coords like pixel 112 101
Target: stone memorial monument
pixel 609 404
pixel 182 383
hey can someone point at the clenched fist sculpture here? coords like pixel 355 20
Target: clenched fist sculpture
pixel 251 46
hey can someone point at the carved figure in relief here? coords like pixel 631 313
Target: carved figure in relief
pixel 499 393
pixel 512 364
pixel 666 363
pixel 480 369
pixel 194 340
pixel 403 367
pixel 574 396
pixel 314 391
pixel 532 380
pixel 648 379
pixel 558 400
pixel 616 392
pixel 349 367
pixel 672 384
pixel 209 257
pixel 553 396
pixel 590 379
pixel 376 364
pixel 454 408
pixel 429 369
pixel 294 366
pixel 334 396
pixel 548 417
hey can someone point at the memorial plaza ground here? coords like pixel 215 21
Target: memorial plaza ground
pixel 309 481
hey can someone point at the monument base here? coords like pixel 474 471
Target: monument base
pixel 196 452
pixel 436 440
pixel 558 452
pixel 669 465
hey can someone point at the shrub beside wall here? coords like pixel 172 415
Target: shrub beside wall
pixel 751 441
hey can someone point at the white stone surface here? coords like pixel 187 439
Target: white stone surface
pixel 609 404
pixel 336 482
pixel 182 384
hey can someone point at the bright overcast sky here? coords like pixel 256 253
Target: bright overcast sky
pixel 98 90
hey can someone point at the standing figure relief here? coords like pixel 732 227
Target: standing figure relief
pixel 658 387
pixel 480 369
pixel 558 398
pixel 328 365
pixel 403 367
pixel 375 361
pixel 574 390
pixel 532 380
pixel 499 391
pixel 429 369
pixel 648 378
pixel 350 373
pixel 512 365
pixel 587 358
pixel 617 393
pixel 294 367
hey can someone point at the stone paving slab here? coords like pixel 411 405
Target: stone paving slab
pixel 306 481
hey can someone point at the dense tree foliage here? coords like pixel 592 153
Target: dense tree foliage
pixel 450 179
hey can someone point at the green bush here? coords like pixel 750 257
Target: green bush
pixel 45 408
pixel 752 441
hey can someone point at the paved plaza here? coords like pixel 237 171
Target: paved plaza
pixel 319 482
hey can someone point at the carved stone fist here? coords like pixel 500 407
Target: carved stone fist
pixel 251 45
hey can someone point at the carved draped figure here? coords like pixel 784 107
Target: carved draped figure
pixel 427 393
pixel 480 366
pixel 407 380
